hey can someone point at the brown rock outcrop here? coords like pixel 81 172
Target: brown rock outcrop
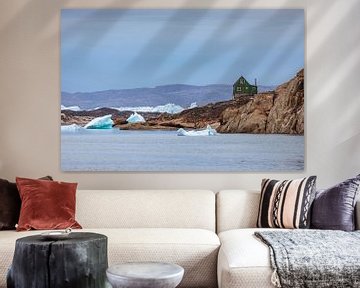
pixel 280 111
pixel 248 118
pixel 287 114
pixel 198 117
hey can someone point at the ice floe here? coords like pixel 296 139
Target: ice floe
pixel 205 132
pixel 104 122
pixel 71 128
pixel 135 118
pixel 72 108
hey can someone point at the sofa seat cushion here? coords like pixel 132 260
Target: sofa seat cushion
pixel 244 261
pixel 194 249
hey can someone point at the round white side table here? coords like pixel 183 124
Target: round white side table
pixel 145 275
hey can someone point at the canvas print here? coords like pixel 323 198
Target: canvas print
pixel 182 90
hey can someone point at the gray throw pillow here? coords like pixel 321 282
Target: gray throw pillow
pixel 334 208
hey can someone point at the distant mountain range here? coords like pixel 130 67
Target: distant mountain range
pixel 179 94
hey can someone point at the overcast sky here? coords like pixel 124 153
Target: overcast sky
pixel 105 49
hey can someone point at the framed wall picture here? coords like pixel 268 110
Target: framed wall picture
pixel 182 90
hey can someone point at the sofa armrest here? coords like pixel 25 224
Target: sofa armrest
pixel 357 215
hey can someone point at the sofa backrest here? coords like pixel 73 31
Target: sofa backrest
pixel 239 209
pixel 236 209
pixel 146 209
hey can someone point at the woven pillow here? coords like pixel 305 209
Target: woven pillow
pixel 286 204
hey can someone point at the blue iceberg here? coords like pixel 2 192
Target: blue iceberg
pixel 206 132
pixel 71 128
pixel 104 122
pixel 135 118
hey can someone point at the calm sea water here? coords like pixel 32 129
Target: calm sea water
pixel 116 150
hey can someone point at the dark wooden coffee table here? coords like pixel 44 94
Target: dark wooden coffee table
pixel 145 275
pixel 78 261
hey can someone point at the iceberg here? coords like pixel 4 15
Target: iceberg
pixel 169 108
pixel 135 118
pixel 71 128
pixel 72 108
pixel 206 132
pixel 104 122
pixel 193 105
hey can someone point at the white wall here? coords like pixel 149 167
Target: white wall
pixel 30 94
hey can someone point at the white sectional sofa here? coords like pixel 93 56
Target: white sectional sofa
pixel 243 260
pixel 177 226
pixel 146 225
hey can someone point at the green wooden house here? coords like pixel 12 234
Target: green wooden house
pixel 243 87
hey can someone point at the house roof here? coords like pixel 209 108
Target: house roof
pixel 241 77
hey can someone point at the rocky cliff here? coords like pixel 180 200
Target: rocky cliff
pixel 280 111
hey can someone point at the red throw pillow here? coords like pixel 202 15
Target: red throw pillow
pixel 10 204
pixel 46 204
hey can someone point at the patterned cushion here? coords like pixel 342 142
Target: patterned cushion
pixel 286 204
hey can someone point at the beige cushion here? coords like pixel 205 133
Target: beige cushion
pixel 236 209
pixel 146 209
pixel 244 261
pixel 194 249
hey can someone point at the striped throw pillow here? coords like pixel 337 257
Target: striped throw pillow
pixel 286 204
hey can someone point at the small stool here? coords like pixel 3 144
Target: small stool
pixel 78 261
pixel 145 275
